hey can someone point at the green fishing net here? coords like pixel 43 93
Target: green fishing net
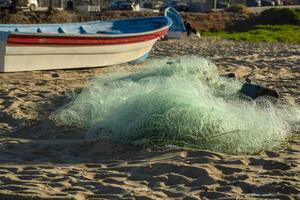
pixel 181 102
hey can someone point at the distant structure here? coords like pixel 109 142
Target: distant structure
pixel 53 3
pixel 97 5
pixel 207 5
pixel 74 4
pixel 200 5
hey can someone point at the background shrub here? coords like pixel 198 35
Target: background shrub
pixel 237 8
pixel 275 16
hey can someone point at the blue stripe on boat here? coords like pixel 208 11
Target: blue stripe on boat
pixel 122 26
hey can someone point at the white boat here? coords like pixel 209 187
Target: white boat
pixel 78 45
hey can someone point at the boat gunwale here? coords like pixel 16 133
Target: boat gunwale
pixel 99 35
pixel 108 35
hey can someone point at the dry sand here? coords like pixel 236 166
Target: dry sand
pixel 39 160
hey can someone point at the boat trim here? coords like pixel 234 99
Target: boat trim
pixel 78 40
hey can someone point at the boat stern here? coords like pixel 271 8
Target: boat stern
pixel 3 41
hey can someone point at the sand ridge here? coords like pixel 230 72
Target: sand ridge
pixel 40 160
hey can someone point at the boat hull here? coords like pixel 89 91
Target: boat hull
pixel 45 57
pixel 174 34
pixel 178 27
pixel 78 45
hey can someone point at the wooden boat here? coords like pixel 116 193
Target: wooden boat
pixel 78 45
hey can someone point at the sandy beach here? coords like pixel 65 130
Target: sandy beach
pixel 41 160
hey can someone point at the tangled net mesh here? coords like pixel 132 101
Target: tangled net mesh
pixel 180 102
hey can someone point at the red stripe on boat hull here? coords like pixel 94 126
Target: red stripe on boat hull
pixel 75 40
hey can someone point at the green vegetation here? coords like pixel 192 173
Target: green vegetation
pixel 263 33
pixel 275 16
pixel 273 25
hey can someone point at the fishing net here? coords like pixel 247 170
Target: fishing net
pixel 180 102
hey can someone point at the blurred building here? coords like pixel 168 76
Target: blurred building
pixel 73 4
pixel 200 5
